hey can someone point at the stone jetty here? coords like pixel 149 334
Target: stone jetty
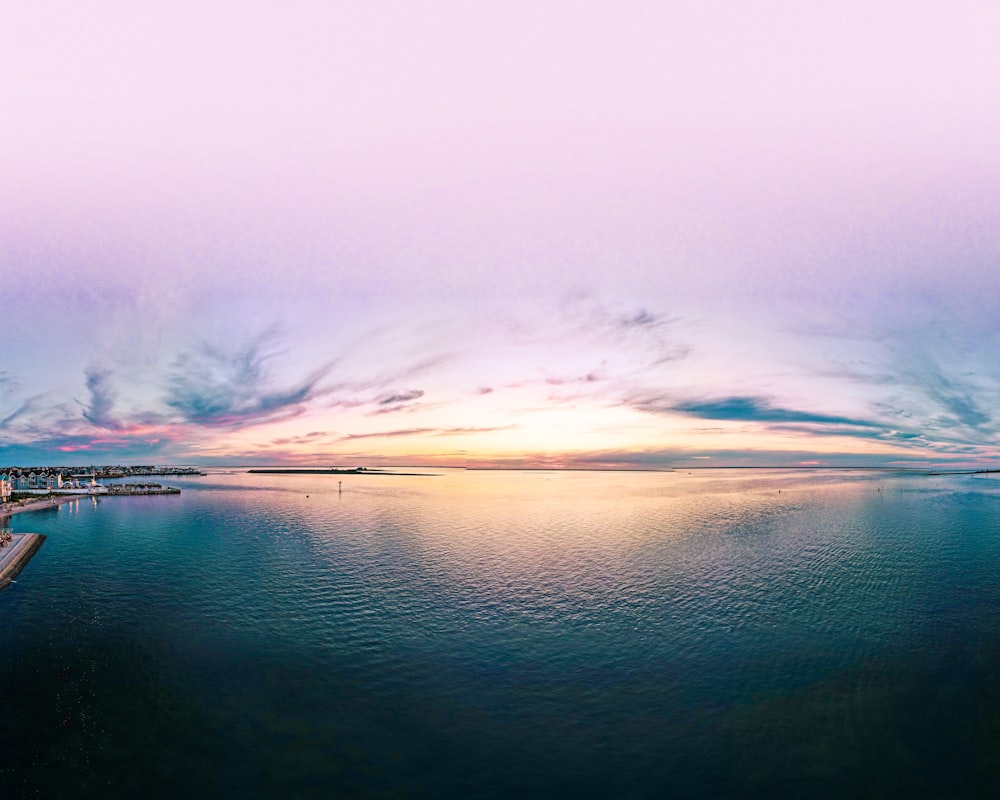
pixel 139 488
pixel 15 555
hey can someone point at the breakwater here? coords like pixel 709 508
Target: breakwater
pixel 333 471
pixel 140 488
pixel 14 556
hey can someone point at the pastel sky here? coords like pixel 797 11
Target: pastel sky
pixel 581 234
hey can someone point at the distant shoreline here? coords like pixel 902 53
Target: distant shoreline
pixel 334 471
pixel 924 470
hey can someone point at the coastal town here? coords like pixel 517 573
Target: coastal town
pixel 119 471
pixel 24 484
pixel 27 489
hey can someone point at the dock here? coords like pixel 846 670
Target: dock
pixel 14 556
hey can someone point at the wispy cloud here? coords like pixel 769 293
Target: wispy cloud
pixel 400 397
pixel 955 396
pixel 428 432
pixel 102 397
pixel 387 434
pixel 306 438
pixel 747 409
pixel 403 408
pixel 926 365
pixel 401 402
pixel 380 389
pixel 640 319
pixel 363 382
pixel 458 431
pixel 677 458
pixel 19 412
pixel 70 448
pixel 874 433
pixel 211 387
pixel 780 419
pixel 567 380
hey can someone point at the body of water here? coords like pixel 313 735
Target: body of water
pixel 726 633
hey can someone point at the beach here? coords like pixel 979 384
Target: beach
pixel 35 504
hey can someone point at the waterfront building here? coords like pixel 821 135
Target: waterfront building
pixel 20 481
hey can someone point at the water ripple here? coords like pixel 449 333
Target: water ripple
pixel 585 634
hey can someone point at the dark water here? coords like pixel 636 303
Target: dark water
pixel 510 634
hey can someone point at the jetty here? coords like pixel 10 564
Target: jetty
pixel 333 471
pixel 118 489
pixel 15 555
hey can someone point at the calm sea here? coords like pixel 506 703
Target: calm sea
pixel 510 634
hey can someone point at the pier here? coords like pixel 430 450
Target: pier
pixel 15 555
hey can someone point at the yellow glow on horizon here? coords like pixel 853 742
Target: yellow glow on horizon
pixel 551 434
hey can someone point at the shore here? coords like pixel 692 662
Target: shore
pixel 17 554
pixel 7 509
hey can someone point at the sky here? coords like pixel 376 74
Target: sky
pixel 561 234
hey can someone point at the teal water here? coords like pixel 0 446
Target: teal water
pixel 502 634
